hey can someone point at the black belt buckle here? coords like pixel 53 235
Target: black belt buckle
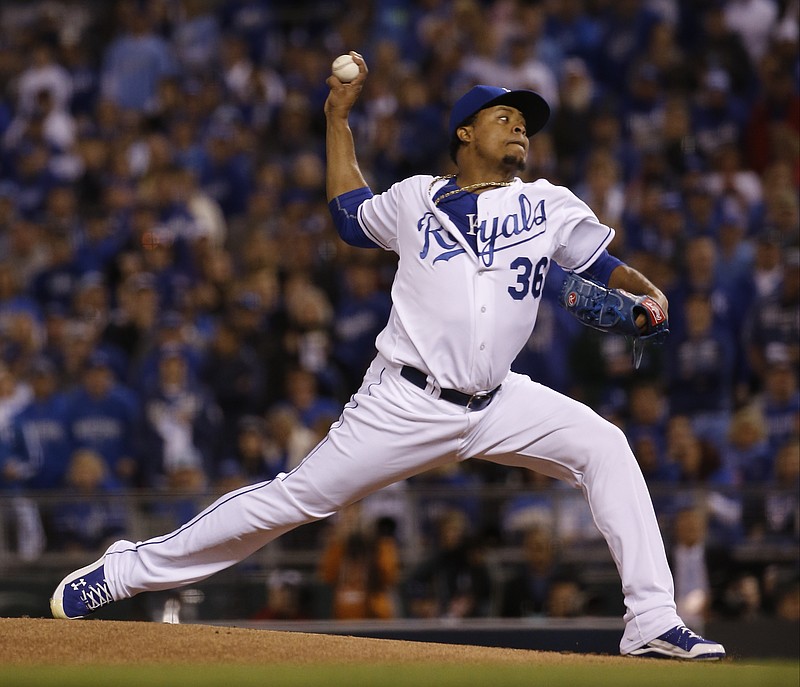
pixel 480 400
pixel 476 401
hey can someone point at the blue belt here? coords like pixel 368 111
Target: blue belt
pixel 476 401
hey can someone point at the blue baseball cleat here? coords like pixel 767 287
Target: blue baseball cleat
pixel 81 592
pixel 681 642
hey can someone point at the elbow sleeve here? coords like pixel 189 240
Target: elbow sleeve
pixel 344 211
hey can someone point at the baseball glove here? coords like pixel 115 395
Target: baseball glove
pixel 615 310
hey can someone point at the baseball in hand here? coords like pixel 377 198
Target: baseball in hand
pixel 344 68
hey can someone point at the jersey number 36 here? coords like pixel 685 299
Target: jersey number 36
pixel 525 284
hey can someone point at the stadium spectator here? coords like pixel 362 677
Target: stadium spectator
pixel 55 283
pixel 226 177
pixel 288 439
pixel 41 445
pixel 74 350
pixel 578 112
pixel 247 458
pixel 715 45
pixel 689 561
pixel 514 63
pixel 103 418
pixel 773 516
pixel 754 21
pixel 531 588
pixel 781 214
pixel 93 515
pixel 287 597
pixel 664 239
pixel 735 256
pixel 90 304
pixel 788 602
pixel 360 313
pixel 131 325
pixel 773 328
pixel 647 418
pixel 627 29
pixel 304 397
pixel 180 425
pixel 43 75
pixel 696 461
pixel 171 331
pixel 700 478
pixel 603 189
pixel 719 116
pixel 780 403
pixel 235 375
pixel 576 32
pixel 195 36
pixel 772 129
pixel 742 598
pixel 678 140
pixel 135 61
pixel 642 106
pixel 13 299
pixel 746 452
pixel 84 74
pixel 361 568
pixel 453 581
pixel 308 340
pixel 701 370
pixel 14 396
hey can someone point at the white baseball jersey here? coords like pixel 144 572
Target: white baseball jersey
pixel 460 316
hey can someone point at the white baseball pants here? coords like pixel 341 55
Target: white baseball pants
pixel 391 430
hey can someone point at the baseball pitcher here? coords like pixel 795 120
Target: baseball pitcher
pixel 474 250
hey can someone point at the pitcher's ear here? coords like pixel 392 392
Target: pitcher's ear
pixel 464 134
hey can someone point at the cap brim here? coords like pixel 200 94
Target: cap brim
pixel 532 106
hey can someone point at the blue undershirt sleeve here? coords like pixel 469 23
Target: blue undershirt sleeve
pixel 600 270
pixel 343 210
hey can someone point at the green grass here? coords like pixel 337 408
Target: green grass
pixel 637 674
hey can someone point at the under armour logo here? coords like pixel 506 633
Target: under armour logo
pixel 79 583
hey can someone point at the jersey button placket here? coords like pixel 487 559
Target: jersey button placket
pixel 483 331
pixel 483 345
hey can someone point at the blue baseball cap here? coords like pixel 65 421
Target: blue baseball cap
pixel 532 106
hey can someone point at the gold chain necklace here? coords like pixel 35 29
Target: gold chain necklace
pixel 465 189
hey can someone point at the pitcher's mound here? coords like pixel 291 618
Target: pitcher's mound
pixel 36 641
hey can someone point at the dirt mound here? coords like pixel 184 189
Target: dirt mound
pixel 34 641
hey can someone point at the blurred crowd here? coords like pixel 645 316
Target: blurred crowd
pixel 178 314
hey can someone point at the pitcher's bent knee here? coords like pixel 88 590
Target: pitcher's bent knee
pixel 605 442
